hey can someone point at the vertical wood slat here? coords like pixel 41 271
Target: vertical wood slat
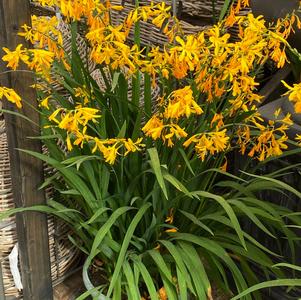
pixel 26 171
pixel 2 294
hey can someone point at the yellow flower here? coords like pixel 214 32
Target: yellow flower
pixel 172 230
pixel 133 146
pixel 188 51
pixel 69 122
pixel 108 148
pixel 81 137
pixel 218 42
pixel 153 127
pixel 165 73
pixel 287 120
pixel 225 165
pixel 172 130
pixel 68 142
pixel 41 60
pixel 277 112
pixel 163 294
pixel 44 102
pixel 115 34
pixel 13 57
pixel 179 69
pixel 131 19
pixel 209 143
pixel 182 103
pixel 73 120
pixel 170 217
pixel 218 119
pixel 28 33
pixel 110 153
pixel 11 96
pixel 103 53
pixel 86 114
pixel 271 140
pixel 53 116
pixel 298 139
pixel 82 93
pixel 294 95
pixel 160 11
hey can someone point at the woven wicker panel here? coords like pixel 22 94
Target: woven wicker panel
pixel 195 8
pixel 63 253
pixel 149 33
pixel 199 8
pixel 38 10
pixel 202 8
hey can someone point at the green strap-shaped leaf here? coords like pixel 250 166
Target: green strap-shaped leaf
pixel 185 158
pixel 148 280
pixel 117 290
pixel 169 288
pixel 97 214
pixel 228 209
pixel 286 265
pixel 160 262
pixel 268 284
pixel 69 175
pixel 125 245
pixel 147 95
pixel 196 269
pixel 176 183
pixel 279 183
pixel 173 250
pixel 97 242
pixel 249 213
pixel 86 294
pixel 224 10
pixel 105 229
pixel 182 284
pixel 216 249
pixel 155 164
pixel 196 221
pixel 129 275
pixel 38 208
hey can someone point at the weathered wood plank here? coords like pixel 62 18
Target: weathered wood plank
pixel 27 172
pixel 2 295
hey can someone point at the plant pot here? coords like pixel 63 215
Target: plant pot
pixel 273 9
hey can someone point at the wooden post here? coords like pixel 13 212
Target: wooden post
pixel 26 171
pixel 2 295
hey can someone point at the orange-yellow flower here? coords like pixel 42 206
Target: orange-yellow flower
pixel 11 96
pixel 13 57
pixel 181 103
pixel 294 95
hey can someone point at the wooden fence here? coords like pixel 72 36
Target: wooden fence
pixel 26 171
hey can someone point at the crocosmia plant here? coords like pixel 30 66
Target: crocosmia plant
pixel 141 139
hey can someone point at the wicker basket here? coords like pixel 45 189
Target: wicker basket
pixel 202 8
pixel 39 10
pixel 196 12
pixel 149 33
pixel 63 253
pixel 198 8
